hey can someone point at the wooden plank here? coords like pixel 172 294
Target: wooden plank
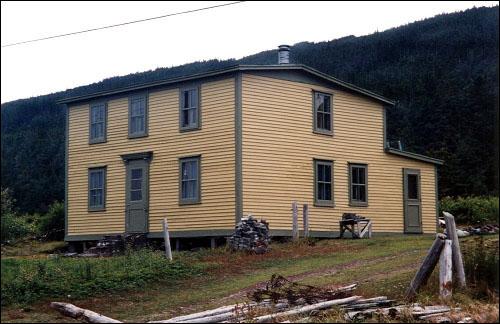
pixel 426 268
pixel 295 221
pixel 166 237
pixel 366 229
pixel 451 232
pixel 445 272
pixel 305 218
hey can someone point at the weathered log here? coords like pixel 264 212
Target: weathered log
pixel 306 309
pixel 426 268
pixel 445 271
pixel 231 315
pixel 451 231
pixel 75 312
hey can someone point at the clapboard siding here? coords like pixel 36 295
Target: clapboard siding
pixel 278 147
pixel 215 143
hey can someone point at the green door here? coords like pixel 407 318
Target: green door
pixel 137 196
pixel 412 201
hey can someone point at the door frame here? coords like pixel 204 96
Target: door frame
pixel 146 157
pixel 407 172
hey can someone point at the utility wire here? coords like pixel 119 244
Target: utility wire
pixel 125 23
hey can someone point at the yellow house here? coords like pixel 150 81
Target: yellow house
pixel 205 149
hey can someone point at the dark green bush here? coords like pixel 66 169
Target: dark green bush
pixel 27 280
pixel 13 226
pixel 471 210
pixel 51 224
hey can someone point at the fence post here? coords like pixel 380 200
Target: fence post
pixel 451 233
pixel 295 221
pixel 445 271
pixel 166 237
pixel 305 216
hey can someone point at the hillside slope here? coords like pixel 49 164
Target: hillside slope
pixel 443 71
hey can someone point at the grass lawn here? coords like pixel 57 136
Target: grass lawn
pixel 211 278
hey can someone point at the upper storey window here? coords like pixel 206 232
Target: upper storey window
pixel 138 116
pixel 323 116
pixel 189 109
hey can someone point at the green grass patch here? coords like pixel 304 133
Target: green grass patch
pixel 24 281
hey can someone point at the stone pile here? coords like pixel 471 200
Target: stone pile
pixel 250 235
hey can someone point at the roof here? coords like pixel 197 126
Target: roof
pixel 236 68
pixel 414 156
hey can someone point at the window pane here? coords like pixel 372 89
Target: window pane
pixel 135 195
pixel 136 173
pixel 320 121
pixel 361 173
pixel 328 191
pixel 362 193
pixel 354 175
pixel 326 122
pixel 192 114
pixel 328 173
pixel 185 99
pixel 412 186
pixel 185 118
pixel 321 191
pixel 319 102
pixel 326 103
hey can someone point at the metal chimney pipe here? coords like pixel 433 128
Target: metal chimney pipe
pixel 283 54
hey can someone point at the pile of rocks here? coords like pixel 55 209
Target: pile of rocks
pixel 250 235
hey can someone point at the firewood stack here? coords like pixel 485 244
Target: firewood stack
pixel 251 235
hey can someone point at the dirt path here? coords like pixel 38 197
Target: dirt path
pixel 326 272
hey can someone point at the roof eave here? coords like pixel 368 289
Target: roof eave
pixel 414 156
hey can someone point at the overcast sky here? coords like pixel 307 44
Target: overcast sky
pixel 227 32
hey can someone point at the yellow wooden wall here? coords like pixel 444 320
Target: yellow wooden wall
pixel 215 143
pixel 279 147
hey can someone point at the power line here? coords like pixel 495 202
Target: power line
pixel 125 23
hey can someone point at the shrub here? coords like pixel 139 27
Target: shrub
pixel 481 267
pixel 27 280
pixel 471 210
pixel 13 226
pixel 51 224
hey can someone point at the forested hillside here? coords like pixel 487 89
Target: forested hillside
pixel 443 72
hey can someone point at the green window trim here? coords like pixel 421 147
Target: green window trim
pixel 193 104
pixel 323 125
pixel 187 180
pixel 360 186
pixel 101 120
pixel 99 188
pixel 134 116
pixel 323 183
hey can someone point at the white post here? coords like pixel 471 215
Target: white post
pixel 295 221
pixel 451 232
pixel 445 271
pixel 305 216
pixel 166 237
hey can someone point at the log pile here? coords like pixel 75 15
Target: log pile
pixel 250 235
pixel 285 304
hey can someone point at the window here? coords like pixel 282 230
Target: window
pixel 190 180
pixel 97 188
pixel 138 116
pixel 413 186
pixel 323 183
pixel 189 110
pixel 136 178
pixel 97 123
pixel 358 186
pixel 323 117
